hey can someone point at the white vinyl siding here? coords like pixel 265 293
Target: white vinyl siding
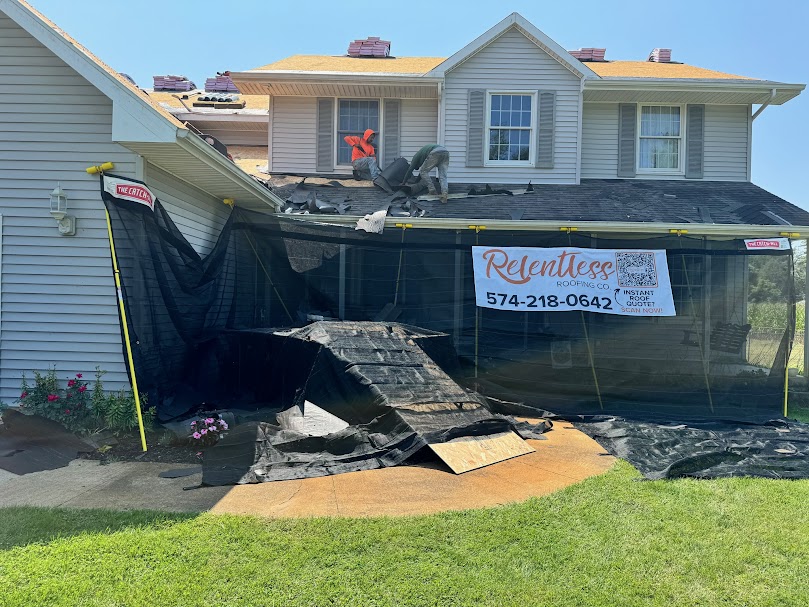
pixel 58 296
pixel 419 125
pixel 512 62
pixel 294 135
pixel 294 131
pixel 726 143
pixel 199 216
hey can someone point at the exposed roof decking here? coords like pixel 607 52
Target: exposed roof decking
pixel 356 65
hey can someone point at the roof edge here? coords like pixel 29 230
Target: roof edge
pixel 515 20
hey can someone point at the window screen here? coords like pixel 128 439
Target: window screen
pixel 660 137
pixel 510 127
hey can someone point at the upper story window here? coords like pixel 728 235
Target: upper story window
pixel 510 127
pixel 660 139
pixel 354 116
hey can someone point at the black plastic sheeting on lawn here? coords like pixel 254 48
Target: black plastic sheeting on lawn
pixel 380 378
pixel 772 449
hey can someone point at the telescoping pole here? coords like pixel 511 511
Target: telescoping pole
pixel 122 309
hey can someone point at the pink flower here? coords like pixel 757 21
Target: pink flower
pixel 203 431
pixel 194 423
pixel 197 435
pixel 79 375
pixel 52 397
pixel 71 383
pixel 82 388
pixel 24 394
pixel 67 411
pixel 224 424
pixel 209 420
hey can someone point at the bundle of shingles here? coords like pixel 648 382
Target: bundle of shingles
pixel 370 47
pixel 589 54
pixel 173 83
pixel 222 83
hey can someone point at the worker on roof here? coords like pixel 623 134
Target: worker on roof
pixel 429 157
pixel 363 155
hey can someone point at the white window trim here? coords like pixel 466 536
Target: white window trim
pixel 532 144
pixel 680 170
pixel 336 123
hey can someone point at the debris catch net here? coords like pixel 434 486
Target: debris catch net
pixel 723 354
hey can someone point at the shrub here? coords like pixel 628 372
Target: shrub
pixel 77 408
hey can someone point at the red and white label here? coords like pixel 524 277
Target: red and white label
pixel 767 244
pixel 129 190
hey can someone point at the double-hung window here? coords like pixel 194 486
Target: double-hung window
pixel 354 116
pixel 660 139
pixel 510 128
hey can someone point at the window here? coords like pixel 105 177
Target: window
pixel 510 128
pixel 353 118
pixel 660 137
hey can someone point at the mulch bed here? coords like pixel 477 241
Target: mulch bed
pixel 128 449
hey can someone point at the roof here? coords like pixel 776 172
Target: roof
pixel 253 102
pixel 651 69
pixel 604 200
pixel 250 158
pixel 355 65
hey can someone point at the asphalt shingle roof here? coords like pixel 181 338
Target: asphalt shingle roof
pixel 613 200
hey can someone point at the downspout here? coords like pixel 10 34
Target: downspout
pixel 765 104
pixel 441 109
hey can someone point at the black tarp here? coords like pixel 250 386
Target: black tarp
pixel 273 272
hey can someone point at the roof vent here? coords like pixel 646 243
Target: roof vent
pixel 589 54
pixel 660 55
pixel 173 83
pixel 370 47
pixel 221 84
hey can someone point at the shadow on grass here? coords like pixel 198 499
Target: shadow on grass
pixel 23 525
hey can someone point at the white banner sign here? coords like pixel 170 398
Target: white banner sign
pixel 767 244
pixel 129 190
pixel 609 281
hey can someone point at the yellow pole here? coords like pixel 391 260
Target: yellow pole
pixel 126 333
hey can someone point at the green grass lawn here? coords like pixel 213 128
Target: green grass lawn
pixel 612 540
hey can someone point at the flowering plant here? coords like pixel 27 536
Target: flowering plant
pixel 69 406
pixel 206 430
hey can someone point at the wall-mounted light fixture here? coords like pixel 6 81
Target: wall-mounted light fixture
pixel 66 223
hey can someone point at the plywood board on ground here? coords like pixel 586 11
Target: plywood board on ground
pixel 472 452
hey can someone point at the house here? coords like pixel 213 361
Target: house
pixel 58 299
pixel 628 152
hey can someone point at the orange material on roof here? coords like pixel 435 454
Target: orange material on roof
pixel 254 102
pixel 650 69
pixel 167 115
pixel 358 65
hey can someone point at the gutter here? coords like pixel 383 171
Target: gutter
pixel 592 227
pixel 198 148
pixel 785 91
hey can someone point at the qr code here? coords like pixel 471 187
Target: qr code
pixel 636 269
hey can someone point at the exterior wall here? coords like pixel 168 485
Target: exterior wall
pixel 419 125
pixel 512 62
pixel 57 296
pixel 294 134
pixel 726 143
pixel 198 215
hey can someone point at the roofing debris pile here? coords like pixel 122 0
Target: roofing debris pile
pixel 358 396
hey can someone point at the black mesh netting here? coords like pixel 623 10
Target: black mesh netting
pixel 722 357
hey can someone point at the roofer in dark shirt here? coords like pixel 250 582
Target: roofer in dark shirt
pixel 426 159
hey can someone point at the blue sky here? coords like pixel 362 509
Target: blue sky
pixel 751 38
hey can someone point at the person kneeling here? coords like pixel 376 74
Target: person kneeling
pixel 363 155
pixel 426 159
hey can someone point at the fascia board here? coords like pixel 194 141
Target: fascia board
pixel 266 76
pixel 593 227
pixel 198 148
pixel 515 19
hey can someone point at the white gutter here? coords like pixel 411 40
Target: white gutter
pixel 198 148
pixel 764 105
pixel 590 227
pixel 787 91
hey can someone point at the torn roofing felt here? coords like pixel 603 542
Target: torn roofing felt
pixel 382 379
pixel 616 200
